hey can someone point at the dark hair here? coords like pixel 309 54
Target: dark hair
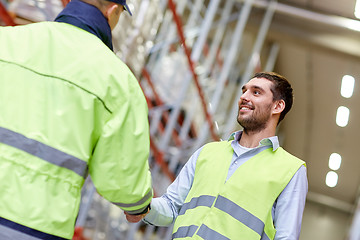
pixel 281 89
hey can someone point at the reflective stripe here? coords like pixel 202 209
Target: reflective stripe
pixel 241 215
pixel 141 201
pixel 43 151
pixel 12 230
pixel 184 232
pixel 208 234
pixel 264 236
pixel 204 200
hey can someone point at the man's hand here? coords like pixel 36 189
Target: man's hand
pixel 136 218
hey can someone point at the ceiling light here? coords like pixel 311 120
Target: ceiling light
pixel 334 161
pixel 347 86
pixel 357 9
pixel 331 179
pixel 342 116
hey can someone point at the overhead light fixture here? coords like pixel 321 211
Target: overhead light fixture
pixel 357 9
pixel 342 116
pixel 347 86
pixel 334 161
pixel 331 179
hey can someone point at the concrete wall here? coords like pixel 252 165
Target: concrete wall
pixel 324 223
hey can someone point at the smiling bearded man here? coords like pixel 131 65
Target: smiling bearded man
pixel 246 188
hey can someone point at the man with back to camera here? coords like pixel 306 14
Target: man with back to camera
pixel 246 188
pixel 68 107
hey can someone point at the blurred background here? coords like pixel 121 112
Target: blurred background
pixel 191 58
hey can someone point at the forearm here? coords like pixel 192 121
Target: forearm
pixel 162 212
pixel 165 209
pixel 119 165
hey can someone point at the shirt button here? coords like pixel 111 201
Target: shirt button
pixel 235 162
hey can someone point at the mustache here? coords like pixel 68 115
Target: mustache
pixel 246 104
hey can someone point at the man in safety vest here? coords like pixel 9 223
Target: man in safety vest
pixel 69 107
pixel 246 188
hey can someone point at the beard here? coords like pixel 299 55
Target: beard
pixel 257 121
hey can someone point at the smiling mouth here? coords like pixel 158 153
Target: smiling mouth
pixel 246 108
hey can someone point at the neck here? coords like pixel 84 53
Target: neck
pixel 88 18
pixel 251 139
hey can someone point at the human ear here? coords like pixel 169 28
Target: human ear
pixel 113 14
pixel 279 106
pixel 111 9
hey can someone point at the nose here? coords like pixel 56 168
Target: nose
pixel 244 96
pixel 242 99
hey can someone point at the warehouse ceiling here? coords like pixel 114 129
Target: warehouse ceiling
pixel 319 44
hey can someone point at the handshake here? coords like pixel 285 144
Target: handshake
pixel 134 218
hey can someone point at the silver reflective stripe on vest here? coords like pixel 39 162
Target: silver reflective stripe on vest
pixel 264 236
pixel 184 232
pixel 141 201
pixel 241 215
pixel 208 234
pixel 204 200
pixel 43 151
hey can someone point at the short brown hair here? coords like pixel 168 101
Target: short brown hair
pixel 281 89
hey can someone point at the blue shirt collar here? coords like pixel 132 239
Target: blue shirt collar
pixel 88 18
pixel 272 141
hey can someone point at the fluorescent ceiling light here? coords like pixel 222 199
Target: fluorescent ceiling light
pixel 357 9
pixel 331 179
pixel 342 116
pixel 347 86
pixel 334 161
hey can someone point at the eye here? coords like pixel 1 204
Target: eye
pixel 256 92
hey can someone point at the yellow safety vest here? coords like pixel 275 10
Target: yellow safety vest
pixel 240 208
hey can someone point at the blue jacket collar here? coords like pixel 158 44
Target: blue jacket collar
pixel 87 17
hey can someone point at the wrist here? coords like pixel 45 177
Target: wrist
pixel 146 210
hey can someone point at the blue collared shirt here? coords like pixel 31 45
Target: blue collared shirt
pixel 287 210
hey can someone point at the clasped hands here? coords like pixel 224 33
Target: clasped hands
pixel 135 218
